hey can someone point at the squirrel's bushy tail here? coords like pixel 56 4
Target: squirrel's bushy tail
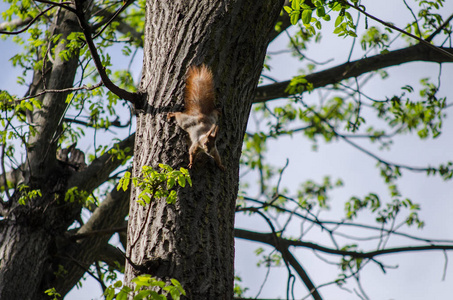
pixel 199 94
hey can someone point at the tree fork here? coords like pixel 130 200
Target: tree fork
pixel 192 240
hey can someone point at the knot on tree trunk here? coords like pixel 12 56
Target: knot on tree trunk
pixel 72 158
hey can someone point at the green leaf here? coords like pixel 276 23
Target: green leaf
pixel 320 11
pixel 122 295
pixel 294 17
pixel 178 285
pixel 142 294
pixel 118 284
pixel 28 106
pixel 170 182
pixel 339 20
pixel 171 198
pixel 182 180
pixel 306 16
pixel 189 180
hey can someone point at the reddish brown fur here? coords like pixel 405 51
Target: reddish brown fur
pixel 199 94
pixel 200 116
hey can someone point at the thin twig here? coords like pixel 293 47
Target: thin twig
pixel 30 23
pixel 438 30
pixel 62 5
pixel 84 87
pixel 424 42
pixel 129 2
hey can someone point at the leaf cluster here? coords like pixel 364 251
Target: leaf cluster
pixel 154 184
pixel 143 289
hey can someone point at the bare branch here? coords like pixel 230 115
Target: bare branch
pixel 290 260
pixel 288 256
pixel 122 27
pixel 426 43
pixel 113 17
pixel 123 94
pixel 98 232
pixel 356 68
pixel 73 89
pixel 268 238
pixel 438 30
pixel 60 4
pixel 115 123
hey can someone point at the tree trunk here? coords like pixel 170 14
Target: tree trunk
pixel 28 233
pixel 192 240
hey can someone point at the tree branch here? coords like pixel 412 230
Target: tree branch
pixel 91 240
pixel 12 177
pixel 123 27
pixel 73 89
pixel 97 232
pixel 22 22
pixel 268 238
pixel 14 23
pixel 438 30
pixel 112 256
pixel 113 17
pixel 123 94
pixel 356 68
pixel 283 22
pixel 99 170
pixel 60 4
pixel 426 43
pixel 322 223
pixel 290 259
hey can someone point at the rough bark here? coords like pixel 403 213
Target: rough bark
pixel 79 253
pixel 192 240
pixel 28 232
pixel 34 241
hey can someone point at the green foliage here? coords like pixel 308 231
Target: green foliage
pixel 123 154
pixel 238 290
pixel 92 109
pixel 154 184
pixel 27 195
pixel 72 45
pixel 344 23
pixel 299 85
pixel 74 195
pixel 143 289
pixel 385 214
pixel 374 38
pixel 425 116
pixel 312 194
pixel 53 293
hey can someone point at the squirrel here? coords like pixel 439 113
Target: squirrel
pixel 199 118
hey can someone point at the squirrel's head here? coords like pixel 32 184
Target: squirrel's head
pixel 208 141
